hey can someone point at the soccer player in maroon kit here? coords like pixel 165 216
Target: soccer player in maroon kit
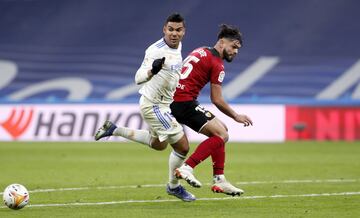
pixel 205 65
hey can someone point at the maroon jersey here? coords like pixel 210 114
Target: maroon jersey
pixel 203 65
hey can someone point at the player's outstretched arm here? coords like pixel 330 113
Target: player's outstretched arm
pixel 218 100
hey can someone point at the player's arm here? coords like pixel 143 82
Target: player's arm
pixel 149 67
pixel 142 76
pixel 218 100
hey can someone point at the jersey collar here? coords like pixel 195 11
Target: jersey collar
pixel 214 51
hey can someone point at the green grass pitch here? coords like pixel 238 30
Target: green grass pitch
pixel 80 179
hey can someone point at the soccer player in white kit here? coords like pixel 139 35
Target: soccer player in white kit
pixel 159 74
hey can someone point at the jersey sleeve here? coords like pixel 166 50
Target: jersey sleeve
pixel 217 73
pixel 141 75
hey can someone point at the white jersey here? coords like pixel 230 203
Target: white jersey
pixel 161 87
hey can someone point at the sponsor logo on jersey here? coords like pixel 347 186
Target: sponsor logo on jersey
pixel 180 86
pixel 221 76
pixel 201 52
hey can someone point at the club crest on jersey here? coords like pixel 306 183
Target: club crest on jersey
pixel 176 67
pixel 221 76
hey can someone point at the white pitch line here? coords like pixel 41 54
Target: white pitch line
pixel 163 185
pixel 199 199
pixel 99 188
pixel 300 181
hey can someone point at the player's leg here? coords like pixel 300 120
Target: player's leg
pixel 176 159
pixel 181 148
pixel 195 116
pixel 215 127
pixel 203 121
pixel 198 118
pixel 220 185
pixel 149 138
pixel 168 129
pixel 177 156
pixel 202 152
pixel 137 135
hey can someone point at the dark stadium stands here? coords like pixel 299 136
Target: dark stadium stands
pixel 88 51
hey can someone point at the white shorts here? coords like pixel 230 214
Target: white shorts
pixel 161 122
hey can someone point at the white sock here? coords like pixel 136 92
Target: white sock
pixel 141 136
pixel 187 167
pixel 218 178
pixel 175 161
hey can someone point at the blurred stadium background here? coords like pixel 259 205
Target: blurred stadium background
pixel 302 56
pixel 66 66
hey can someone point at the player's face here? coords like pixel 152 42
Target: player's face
pixel 173 33
pixel 231 48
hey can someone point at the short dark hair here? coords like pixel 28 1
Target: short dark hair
pixel 175 17
pixel 230 32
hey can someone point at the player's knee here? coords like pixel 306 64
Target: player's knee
pixel 181 146
pixel 226 139
pixel 183 150
pixel 158 146
pixel 217 128
pixel 226 128
pixel 224 135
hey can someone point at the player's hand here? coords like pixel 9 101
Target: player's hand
pixel 241 118
pixel 157 65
